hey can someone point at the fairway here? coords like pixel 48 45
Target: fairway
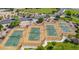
pixel 41 10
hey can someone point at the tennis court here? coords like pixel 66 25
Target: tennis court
pixel 64 27
pixel 51 31
pixel 14 38
pixel 34 34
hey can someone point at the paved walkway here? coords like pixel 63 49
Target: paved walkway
pixel 63 39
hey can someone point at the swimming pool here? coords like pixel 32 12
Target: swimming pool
pixel 64 27
pixel 34 34
pixel 14 38
pixel 51 31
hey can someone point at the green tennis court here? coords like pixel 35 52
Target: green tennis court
pixel 34 34
pixel 64 27
pixel 51 31
pixel 14 38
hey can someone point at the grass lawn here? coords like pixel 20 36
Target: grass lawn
pixel 72 12
pixel 66 46
pixel 59 46
pixel 73 15
pixel 75 19
pixel 40 10
pixel 28 48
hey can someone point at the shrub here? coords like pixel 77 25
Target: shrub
pixel 40 48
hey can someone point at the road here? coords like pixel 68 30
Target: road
pixel 6 21
pixel 60 12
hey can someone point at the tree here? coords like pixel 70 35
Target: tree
pixel 17 10
pixel 57 17
pixel 28 15
pixel 53 43
pixel 68 12
pixel 15 23
pixel 1 26
pixel 53 12
pixel 1 17
pixel 8 16
pixel 40 20
pixel 77 30
pixel 70 36
pixel 49 47
pixel 77 35
pixel 12 24
pixel 11 9
pixel 40 48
